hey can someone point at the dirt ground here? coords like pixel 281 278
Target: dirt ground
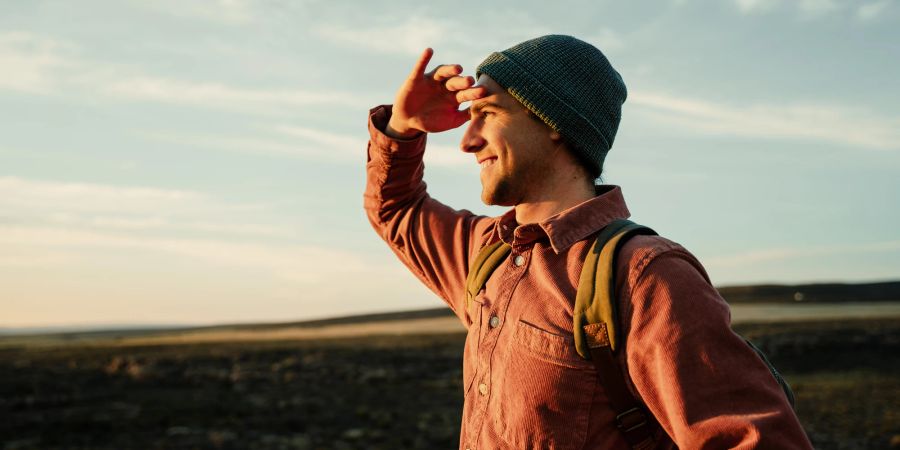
pixel 373 392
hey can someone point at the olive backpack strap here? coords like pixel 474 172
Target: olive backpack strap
pixel 785 387
pixel 484 265
pixel 596 330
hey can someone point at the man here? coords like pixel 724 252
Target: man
pixel 544 114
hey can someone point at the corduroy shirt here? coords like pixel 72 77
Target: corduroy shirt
pixel 525 386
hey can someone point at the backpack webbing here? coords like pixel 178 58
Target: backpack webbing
pixel 484 265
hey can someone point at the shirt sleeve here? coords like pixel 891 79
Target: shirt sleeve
pixel 434 241
pixel 707 388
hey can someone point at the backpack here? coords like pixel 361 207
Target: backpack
pixel 595 323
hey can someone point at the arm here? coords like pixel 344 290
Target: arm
pixel 704 384
pixel 434 241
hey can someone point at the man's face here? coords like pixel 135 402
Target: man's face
pixel 511 145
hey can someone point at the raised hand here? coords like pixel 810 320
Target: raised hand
pixel 429 102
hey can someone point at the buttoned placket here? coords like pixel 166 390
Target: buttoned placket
pixel 517 264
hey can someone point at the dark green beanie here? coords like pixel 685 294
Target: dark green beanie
pixel 568 84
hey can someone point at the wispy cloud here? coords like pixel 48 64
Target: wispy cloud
pixel 48 223
pixel 306 264
pixel 448 156
pixel 872 10
pixel 220 95
pixel 18 257
pixel 30 62
pixel 756 6
pixel 406 37
pixel 330 142
pixel 139 210
pixel 834 124
pixel 607 40
pixel 55 196
pixel 806 8
pixel 789 253
pixel 294 141
pixel 228 12
pixel 812 8
pixel 77 229
pixel 37 64
pixel 387 34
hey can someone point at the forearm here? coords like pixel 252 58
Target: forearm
pixel 431 239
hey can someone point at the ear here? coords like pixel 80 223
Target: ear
pixel 554 136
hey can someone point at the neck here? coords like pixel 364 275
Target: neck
pixel 554 201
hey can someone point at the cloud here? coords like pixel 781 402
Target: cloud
pixel 872 10
pixel 788 253
pixel 407 37
pixel 138 210
pixel 306 143
pixel 607 40
pixel 330 142
pixel 756 6
pixel 68 196
pixel 834 124
pixel 220 95
pixel 812 8
pixel 17 258
pixel 227 12
pixel 305 264
pixel 448 156
pixel 454 40
pixel 37 64
pixel 51 223
pixel 30 62
pixel 806 8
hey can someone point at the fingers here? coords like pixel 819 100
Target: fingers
pixel 445 71
pixel 467 95
pixel 419 69
pixel 459 83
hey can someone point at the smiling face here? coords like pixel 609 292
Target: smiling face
pixel 514 148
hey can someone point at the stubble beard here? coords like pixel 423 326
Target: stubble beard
pixel 505 190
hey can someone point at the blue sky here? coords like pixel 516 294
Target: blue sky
pixel 202 161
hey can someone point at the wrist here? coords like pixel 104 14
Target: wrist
pixel 395 130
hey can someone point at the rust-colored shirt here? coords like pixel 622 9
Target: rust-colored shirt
pixel 525 386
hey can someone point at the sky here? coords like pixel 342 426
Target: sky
pixel 202 162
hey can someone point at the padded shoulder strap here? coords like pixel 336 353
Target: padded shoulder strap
pixel 595 301
pixel 596 331
pixel 484 265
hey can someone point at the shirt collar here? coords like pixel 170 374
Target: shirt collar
pixel 569 226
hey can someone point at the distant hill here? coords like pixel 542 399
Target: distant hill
pixel 819 293
pixel 766 293
pixel 813 293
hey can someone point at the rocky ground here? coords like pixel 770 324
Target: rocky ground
pixel 376 392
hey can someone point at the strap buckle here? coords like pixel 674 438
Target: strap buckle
pixel 631 420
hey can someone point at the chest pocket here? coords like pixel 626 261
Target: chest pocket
pixel 545 391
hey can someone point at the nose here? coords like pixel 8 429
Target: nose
pixel 472 141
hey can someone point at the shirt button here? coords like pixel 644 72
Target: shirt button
pixel 483 389
pixel 494 322
pixel 519 260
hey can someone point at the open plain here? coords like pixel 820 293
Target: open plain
pixel 378 382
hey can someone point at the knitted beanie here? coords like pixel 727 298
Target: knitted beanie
pixel 567 83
